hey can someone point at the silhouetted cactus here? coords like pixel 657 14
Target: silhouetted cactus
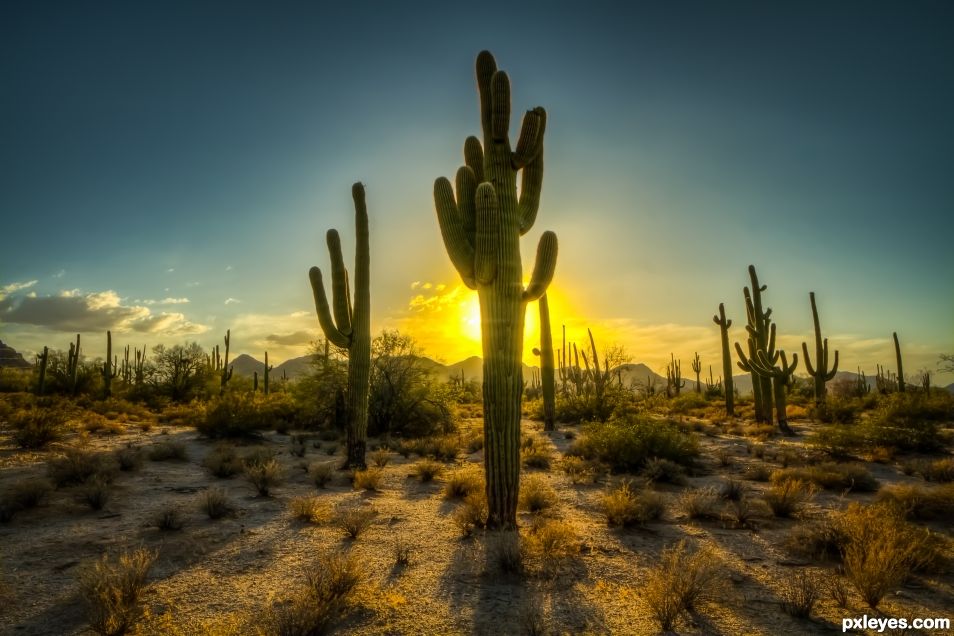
pixel 109 368
pixel 547 375
pixel 350 327
pixel 226 369
pixel 820 372
pixel 697 368
pixel 861 384
pixel 42 362
pixel 254 381
pixel 674 381
pixel 897 354
pixel 268 370
pixel 758 328
pixel 724 325
pixel 764 364
pixel 139 366
pixel 72 365
pixel 481 227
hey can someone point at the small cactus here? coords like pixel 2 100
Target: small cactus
pixel 674 381
pixel 109 368
pixel 267 371
pixel 897 353
pixel 697 368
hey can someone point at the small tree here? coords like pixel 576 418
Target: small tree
pixel 178 371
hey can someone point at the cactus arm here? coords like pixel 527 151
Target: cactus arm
pixel 543 267
pixel 466 202
pixel 834 367
pixel 453 231
pixel 486 67
pixel 531 178
pixel 339 284
pixel 485 251
pixel 324 312
pixel 530 142
pixel 362 254
pixel 743 361
pixel 500 106
pixel 474 158
pixel 808 361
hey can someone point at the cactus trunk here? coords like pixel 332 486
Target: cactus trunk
pixel 897 353
pixel 44 359
pixel 547 375
pixel 724 325
pixel 820 372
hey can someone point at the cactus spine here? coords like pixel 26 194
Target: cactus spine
pixel 109 368
pixel 697 367
pixel 547 375
pixel 820 372
pixel 481 227
pixel 897 353
pixel 350 326
pixel 724 325
pixel 226 369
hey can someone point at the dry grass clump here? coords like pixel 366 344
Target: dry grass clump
pixel 128 458
pixel 321 473
pixel 381 457
pixel 463 482
pixel 700 504
pixel 427 469
pixel 96 492
pixel 922 502
pixel 757 472
pixel 578 470
pixel 310 509
pixel 354 520
pixel 880 550
pixel 331 583
pixel 472 513
pixel 402 552
pixel 223 461
pixel 265 475
pixel 34 428
pixel 661 470
pixel 788 497
pixel 837 589
pixel 112 589
pixel 167 450
pixel 831 476
pixel 821 540
pixel 443 447
pixel 215 503
pixel 799 593
pixel 732 490
pixel 745 512
pixel 27 493
pixel 536 456
pixel 623 507
pixel 76 465
pixel 169 517
pixel 553 540
pixel 941 470
pixel 536 494
pixel 683 578
pixel 369 479
pixel 504 550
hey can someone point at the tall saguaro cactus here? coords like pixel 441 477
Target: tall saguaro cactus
pixel 820 372
pixel 697 368
pixel 897 353
pixel 72 365
pixel 42 362
pixel 724 325
pixel 349 327
pixel 268 370
pixel 109 369
pixel 762 362
pixel 547 372
pixel 759 321
pixel 481 227
pixel 226 369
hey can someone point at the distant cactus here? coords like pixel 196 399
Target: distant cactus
pixel 886 381
pixel 820 372
pixel 42 362
pixel 674 381
pixel 350 325
pixel 109 368
pixel 724 325
pixel 861 386
pixel 139 366
pixel 481 227
pixel 72 365
pixel 897 353
pixel 226 369
pixel 547 375
pixel 697 368
pixel 268 369
pixel 254 381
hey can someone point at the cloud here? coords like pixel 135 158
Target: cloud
pixel 285 335
pixel 15 287
pixel 60 274
pixel 170 270
pixel 228 268
pixel 230 300
pixel 73 310
pixel 164 301
pixel 291 339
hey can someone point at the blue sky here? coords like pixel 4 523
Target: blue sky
pixel 156 152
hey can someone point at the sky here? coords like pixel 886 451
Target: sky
pixel 168 170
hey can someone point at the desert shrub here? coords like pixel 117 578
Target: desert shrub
pixel 831 476
pixel 918 501
pixel 553 540
pixel 443 447
pixel 369 479
pixel 836 410
pixel 881 550
pixel 354 520
pixel 310 509
pixel 26 493
pixel 788 497
pixel 112 589
pixel 757 472
pixel 36 427
pixel 381 457
pixel 700 504
pixel 321 473
pixel 744 512
pixel 265 475
pixel 536 494
pixel 223 461
pixel 167 450
pixel 169 517
pixel 837 589
pixel 462 482
pixel 216 503
pixel 505 551
pixel 799 593
pixel 940 470
pixel 403 550
pixel 578 470
pixel 536 457
pixel 623 507
pixel 129 458
pixel 627 444
pixel 95 492
pixel 331 583
pixel 686 402
pixel 732 490
pixel 682 579
pixel 427 469
pixel 658 469
pixel 472 513
pixel 234 414
pixel 76 465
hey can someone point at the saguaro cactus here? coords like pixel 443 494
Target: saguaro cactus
pixel 267 371
pixel 350 326
pixel 674 381
pixel 42 361
pixel 763 363
pixel 139 366
pixel 697 368
pixel 226 369
pixel 72 365
pixel 820 372
pixel 109 369
pixel 547 372
pixel 897 353
pixel 758 327
pixel 481 227
pixel 724 325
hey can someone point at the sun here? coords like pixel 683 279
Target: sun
pixel 470 318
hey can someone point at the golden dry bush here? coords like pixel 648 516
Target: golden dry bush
pixel 427 469
pixel 472 513
pixel 370 479
pixel 799 594
pixel 625 507
pixel 325 597
pixel 536 494
pixel 684 578
pixel 462 482
pixel 310 509
pixel 112 588
pixel 787 498
pixel 354 519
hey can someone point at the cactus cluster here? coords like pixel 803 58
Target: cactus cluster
pixel 820 372
pixel 674 381
pixel 72 365
pixel 758 339
pixel 349 326
pixel 42 361
pixel 772 365
pixel 481 225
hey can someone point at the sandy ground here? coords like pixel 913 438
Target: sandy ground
pixel 212 573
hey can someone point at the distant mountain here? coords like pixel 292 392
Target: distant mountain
pixel 11 359
pixel 949 388
pixel 247 365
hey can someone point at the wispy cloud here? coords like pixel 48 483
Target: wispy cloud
pixel 170 270
pixel 15 287
pixel 164 301
pixel 60 274
pixel 232 301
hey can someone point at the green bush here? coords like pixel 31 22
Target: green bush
pixel 237 415
pixel 625 445
pixel 686 402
